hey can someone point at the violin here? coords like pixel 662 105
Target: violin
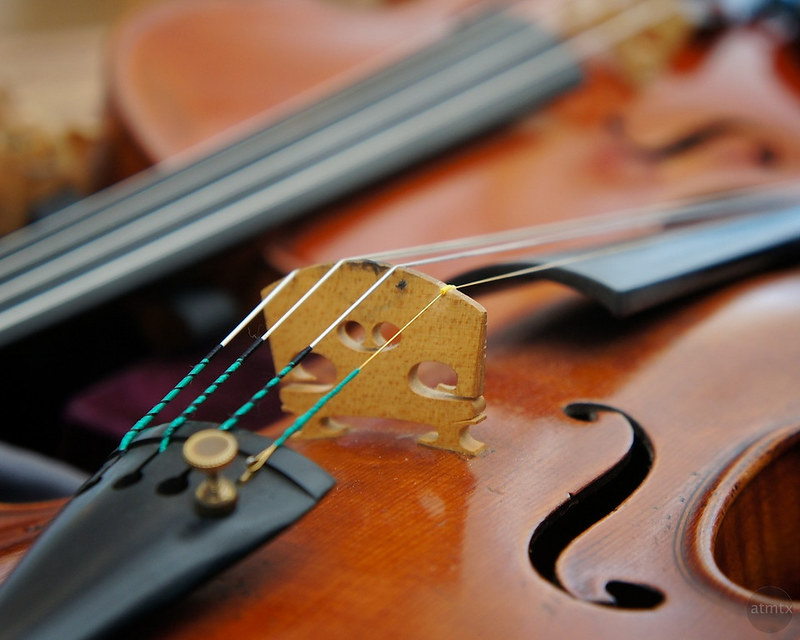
pixel 629 465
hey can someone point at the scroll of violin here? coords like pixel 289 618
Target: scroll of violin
pixel 464 453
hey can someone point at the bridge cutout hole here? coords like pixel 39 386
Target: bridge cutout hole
pixel 352 334
pixel 385 331
pixel 434 376
pixel 318 369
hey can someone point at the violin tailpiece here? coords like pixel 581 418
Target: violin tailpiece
pixel 450 337
pixel 133 538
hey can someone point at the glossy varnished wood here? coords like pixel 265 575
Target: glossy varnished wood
pixel 752 541
pixel 19 526
pixel 254 60
pixel 573 161
pixel 420 543
pixel 415 542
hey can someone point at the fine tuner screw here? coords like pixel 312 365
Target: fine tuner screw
pixel 210 451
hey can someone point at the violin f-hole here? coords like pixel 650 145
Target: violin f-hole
pixel 590 505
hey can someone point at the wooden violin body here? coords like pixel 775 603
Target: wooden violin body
pixel 640 475
pixel 735 97
pixel 414 542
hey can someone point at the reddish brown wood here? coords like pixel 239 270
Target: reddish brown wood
pixel 569 162
pixel 182 74
pixel 419 543
pixel 238 66
pixel 19 526
pixel 760 515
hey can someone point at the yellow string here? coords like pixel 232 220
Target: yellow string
pixel 255 462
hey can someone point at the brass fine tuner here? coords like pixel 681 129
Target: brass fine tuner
pixel 210 451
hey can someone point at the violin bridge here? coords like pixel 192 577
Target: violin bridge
pixel 432 374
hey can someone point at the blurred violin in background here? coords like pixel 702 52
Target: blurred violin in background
pixel 628 480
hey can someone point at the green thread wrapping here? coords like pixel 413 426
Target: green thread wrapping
pixel 143 422
pixel 302 420
pixel 178 422
pixel 244 409
pixel 259 395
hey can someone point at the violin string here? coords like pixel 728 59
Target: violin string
pixel 477 246
pixel 37 239
pixel 143 423
pixel 33 307
pixel 642 219
pixel 106 202
pixel 195 404
pixel 481 23
pixel 200 399
pixel 179 421
pixel 482 245
pixel 202 195
pixel 484 27
pixel 280 375
pixel 146 420
pixel 35 294
pixel 256 462
pixel 552 264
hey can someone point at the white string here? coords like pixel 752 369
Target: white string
pixel 639 219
